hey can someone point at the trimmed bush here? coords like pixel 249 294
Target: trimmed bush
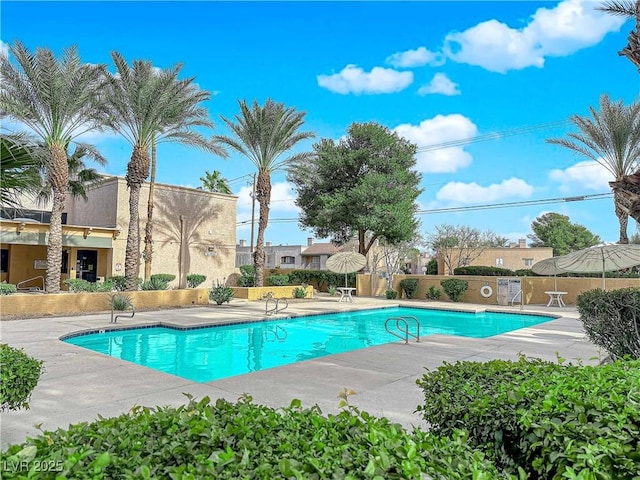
pixel 247 276
pixel 7 288
pixel 194 280
pixel 454 288
pixel 525 272
pixel 19 374
pixel 163 277
pixel 299 293
pixel 321 278
pixel 155 283
pixel 391 294
pixel 484 271
pixel 231 441
pixel 612 320
pixel 409 286
pixel 278 280
pixel 77 285
pixel 221 294
pixel 434 293
pixel 554 420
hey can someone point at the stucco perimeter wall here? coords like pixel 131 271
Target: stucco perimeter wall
pixel 533 288
pixel 258 293
pixel 34 305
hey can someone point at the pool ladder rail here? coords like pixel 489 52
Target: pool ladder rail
pixel 276 307
pixel 123 315
pixel 401 329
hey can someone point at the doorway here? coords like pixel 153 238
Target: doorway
pixel 87 265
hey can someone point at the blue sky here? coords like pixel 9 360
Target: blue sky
pixel 435 72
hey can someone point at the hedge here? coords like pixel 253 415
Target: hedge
pixel 19 375
pixel 557 421
pixel 484 271
pixel 245 440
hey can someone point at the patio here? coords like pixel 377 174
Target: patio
pixel 79 384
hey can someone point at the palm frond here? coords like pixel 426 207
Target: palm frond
pixel 624 8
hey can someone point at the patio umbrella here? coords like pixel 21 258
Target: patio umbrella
pixel 548 267
pixel 346 262
pixel 606 257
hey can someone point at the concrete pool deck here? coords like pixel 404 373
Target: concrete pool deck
pixel 79 384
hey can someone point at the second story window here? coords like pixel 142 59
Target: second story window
pixel 499 262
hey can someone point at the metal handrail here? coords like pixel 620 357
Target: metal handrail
pixel 276 309
pixel 29 280
pixel 123 315
pixel 513 299
pixel 402 322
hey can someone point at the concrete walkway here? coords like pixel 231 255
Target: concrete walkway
pixel 79 384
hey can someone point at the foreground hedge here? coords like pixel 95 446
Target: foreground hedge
pixel 244 440
pixel 19 375
pixel 557 421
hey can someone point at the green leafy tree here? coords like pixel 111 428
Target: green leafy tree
pixel 611 138
pixel 627 8
pixel 265 135
pixel 20 162
pixel 214 182
pixel 363 187
pixel 459 246
pixel 147 105
pixel 58 100
pixel 556 231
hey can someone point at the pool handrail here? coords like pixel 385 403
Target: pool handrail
pixel 402 320
pixel 276 309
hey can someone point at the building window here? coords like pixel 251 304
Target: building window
pixel 528 262
pixel 499 262
pixel 4 260
pixel 288 260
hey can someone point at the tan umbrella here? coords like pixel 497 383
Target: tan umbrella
pixel 346 262
pixel 606 257
pixel 548 267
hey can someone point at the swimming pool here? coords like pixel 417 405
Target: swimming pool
pixel 216 352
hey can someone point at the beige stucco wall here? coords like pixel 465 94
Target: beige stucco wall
pixel 189 224
pixel 512 258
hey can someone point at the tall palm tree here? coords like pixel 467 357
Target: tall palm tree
pixel 147 253
pixel 214 182
pixel 630 9
pixel 264 135
pixel 19 169
pixel 610 137
pixel 143 104
pixel 58 101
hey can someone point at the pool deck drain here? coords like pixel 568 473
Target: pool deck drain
pixel 79 384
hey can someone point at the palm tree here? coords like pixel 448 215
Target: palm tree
pixel 19 169
pixel 611 138
pixel 143 104
pixel 263 135
pixel 214 182
pixel 58 101
pixel 626 8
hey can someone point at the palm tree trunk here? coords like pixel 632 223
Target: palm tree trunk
pixel 623 217
pixel 137 172
pixel 58 169
pixel 263 195
pixel 148 229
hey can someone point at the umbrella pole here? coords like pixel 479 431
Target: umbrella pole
pixel 555 282
pixel 345 281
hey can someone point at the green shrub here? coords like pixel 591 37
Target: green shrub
pixel 484 271
pixel 299 292
pixel 333 291
pixel 221 293
pixel 225 441
pixel 542 417
pixel 432 267
pixel 77 285
pixel 612 320
pixel 321 278
pixel 454 288
pixel 195 279
pixel 391 294
pixel 409 286
pixel 120 302
pixel 19 374
pixel 163 277
pixel 434 293
pixel 154 283
pixel 118 282
pixel 247 276
pixel 524 272
pixel 278 280
pixel 7 288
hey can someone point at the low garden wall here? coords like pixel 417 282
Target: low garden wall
pixel 257 293
pixel 42 304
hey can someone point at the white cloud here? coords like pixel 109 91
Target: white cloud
pixel 353 79
pixel 588 174
pixel 551 32
pixel 437 130
pixel 282 199
pixel 441 84
pixel 415 58
pixel 472 193
pixel 4 48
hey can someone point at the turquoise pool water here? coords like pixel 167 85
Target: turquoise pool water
pixel 212 353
